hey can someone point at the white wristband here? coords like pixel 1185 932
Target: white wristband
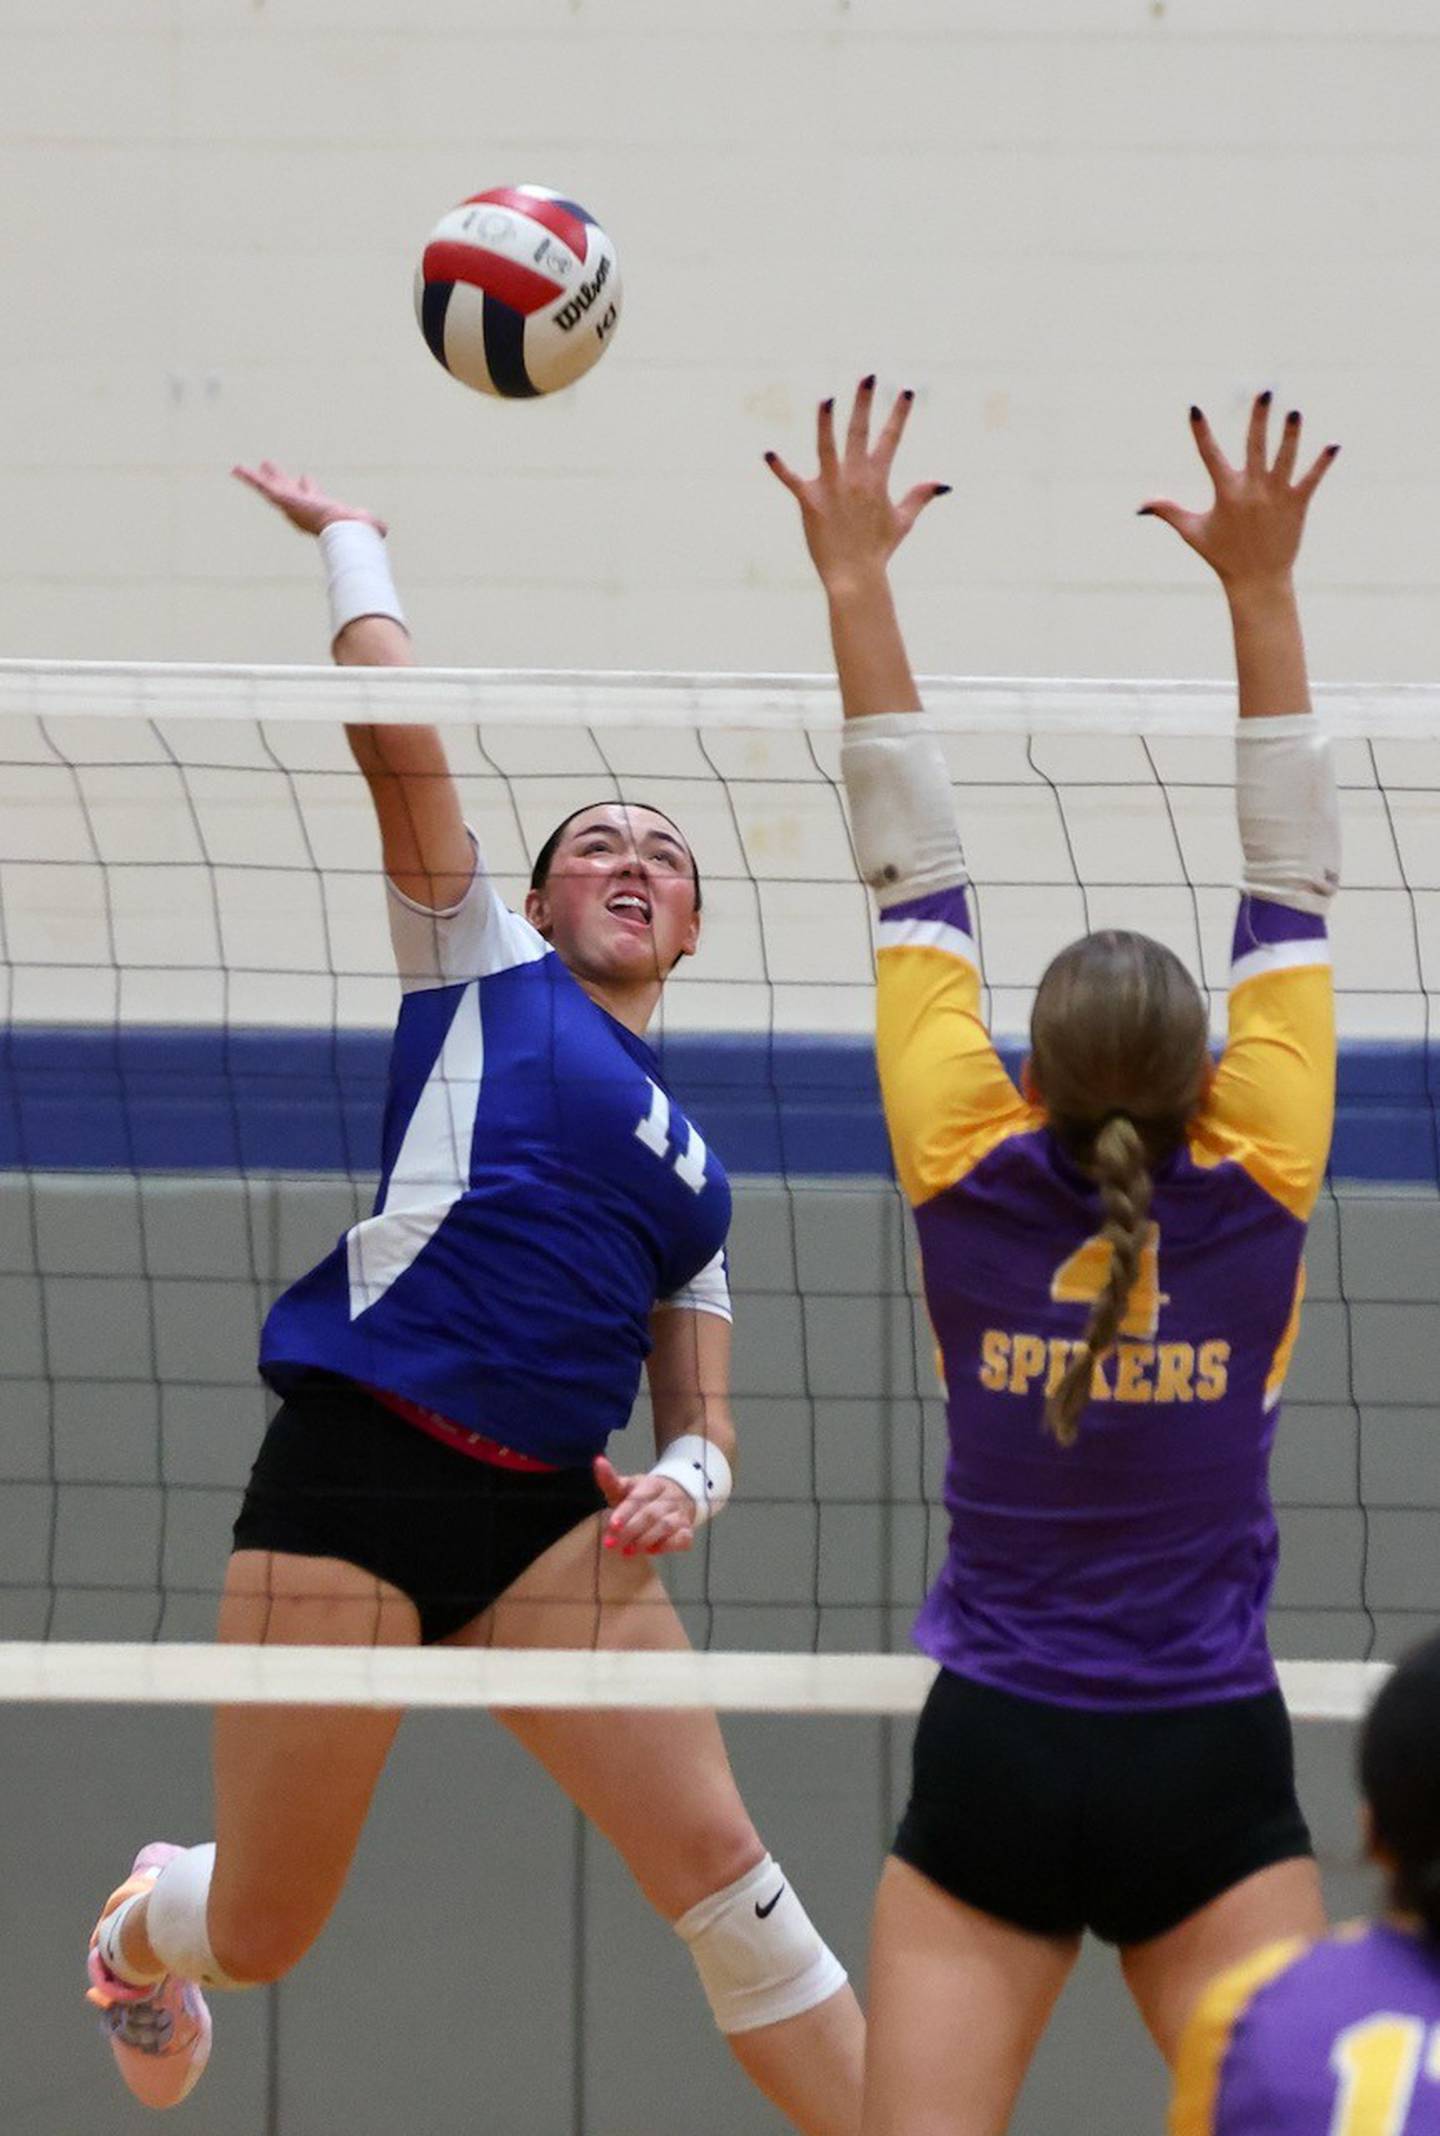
pixel 358 575
pixel 701 1471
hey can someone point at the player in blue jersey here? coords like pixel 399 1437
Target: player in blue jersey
pixel 1112 1253
pixel 547 1222
pixel 1342 2037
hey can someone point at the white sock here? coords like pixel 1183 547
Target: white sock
pixel 107 1942
pixel 177 1923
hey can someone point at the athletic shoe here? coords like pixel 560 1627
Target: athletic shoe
pixel 159 2035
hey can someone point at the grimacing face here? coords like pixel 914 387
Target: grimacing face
pixel 618 904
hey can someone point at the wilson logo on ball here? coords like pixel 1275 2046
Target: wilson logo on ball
pixel 572 313
pixel 506 291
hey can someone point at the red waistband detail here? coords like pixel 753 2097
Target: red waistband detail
pixel 473 1443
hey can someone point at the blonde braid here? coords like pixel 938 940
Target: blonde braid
pixel 1122 1171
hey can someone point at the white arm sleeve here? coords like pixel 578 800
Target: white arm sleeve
pixel 902 812
pixel 469 940
pixel 707 1292
pixel 1289 811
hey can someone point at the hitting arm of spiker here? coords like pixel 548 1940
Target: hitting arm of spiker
pixel 428 853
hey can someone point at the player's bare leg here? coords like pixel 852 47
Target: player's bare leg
pixel 1168 1974
pixel 958 2001
pixel 659 1787
pixel 292 1784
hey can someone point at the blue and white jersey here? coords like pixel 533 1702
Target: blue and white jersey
pixel 540 1193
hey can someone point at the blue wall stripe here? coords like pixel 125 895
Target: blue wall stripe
pixel 209 1100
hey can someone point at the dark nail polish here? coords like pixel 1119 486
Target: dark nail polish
pixel 770 459
pixel 943 489
pixel 1144 512
pixel 908 394
pixel 827 407
pixel 867 383
pixel 1266 397
pixel 1331 450
pixel 1292 418
pixel 1196 416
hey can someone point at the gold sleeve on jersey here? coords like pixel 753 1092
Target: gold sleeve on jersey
pixel 948 1099
pixel 1207 2037
pixel 1271 1105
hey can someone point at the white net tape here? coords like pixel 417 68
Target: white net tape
pixel 190 1675
pixel 579 698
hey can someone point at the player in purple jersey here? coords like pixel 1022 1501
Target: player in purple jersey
pixel 1112 1254
pixel 1342 2037
pixel 547 1222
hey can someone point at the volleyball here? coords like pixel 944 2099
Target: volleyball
pixel 518 291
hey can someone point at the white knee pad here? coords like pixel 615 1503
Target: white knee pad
pixel 757 1952
pixel 175 1918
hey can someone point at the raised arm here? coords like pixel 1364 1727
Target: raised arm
pixel 427 850
pixel 1272 1101
pixel 901 811
pixel 947 1095
pixel 852 529
pixel 1250 538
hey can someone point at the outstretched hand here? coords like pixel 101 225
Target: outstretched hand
pixel 302 501
pixel 852 524
pixel 648 1513
pixel 1251 532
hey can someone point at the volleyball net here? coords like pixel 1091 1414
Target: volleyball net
pixel 198 994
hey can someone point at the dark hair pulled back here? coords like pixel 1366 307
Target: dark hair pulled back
pixel 539 874
pixel 1400 1778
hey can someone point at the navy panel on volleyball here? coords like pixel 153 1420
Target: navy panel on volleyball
pixel 518 291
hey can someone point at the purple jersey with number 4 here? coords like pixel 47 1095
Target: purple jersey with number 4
pixel 1338 2038
pixel 540 1193
pixel 1132 1569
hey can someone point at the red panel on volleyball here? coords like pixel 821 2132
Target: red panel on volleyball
pixel 519 287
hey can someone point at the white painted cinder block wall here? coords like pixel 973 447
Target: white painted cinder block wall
pixel 1061 220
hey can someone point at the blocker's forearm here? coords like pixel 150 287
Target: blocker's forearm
pixel 1269 649
pixel 373 641
pixel 870 656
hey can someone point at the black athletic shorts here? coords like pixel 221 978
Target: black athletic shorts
pixel 340 1475
pixel 1058 1820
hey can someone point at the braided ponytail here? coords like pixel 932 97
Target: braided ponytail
pixel 1119 1162
pixel 1118 1060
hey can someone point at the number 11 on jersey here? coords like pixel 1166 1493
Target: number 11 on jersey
pixel 1379 2063
pixel 654 1132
